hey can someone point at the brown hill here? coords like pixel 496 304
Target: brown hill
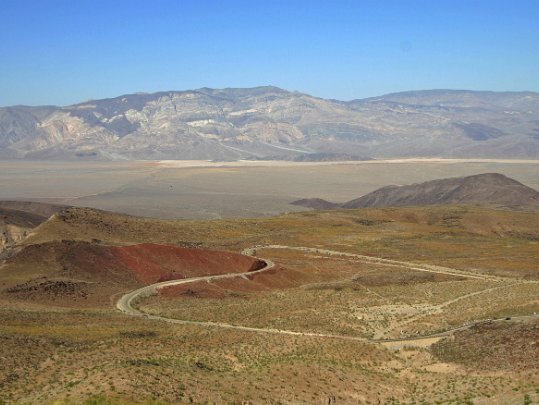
pixel 489 189
pixel 152 263
pixel 74 273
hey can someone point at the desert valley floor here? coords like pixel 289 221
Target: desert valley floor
pixel 213 190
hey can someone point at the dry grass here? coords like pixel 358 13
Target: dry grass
pixel 50 353
pixel 494 346
pixel 124 356
pixel 117 358
pixel 345 297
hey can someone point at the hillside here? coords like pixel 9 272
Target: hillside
pixel 82 273
pixel 344 278
pixel 18 218
pixel 40 209
pixel 271 123
pixel 82 257
pixel 489 189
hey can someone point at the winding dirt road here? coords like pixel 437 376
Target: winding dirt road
pixel 378 260
pixel 125 303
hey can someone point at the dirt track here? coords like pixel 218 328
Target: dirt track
pixel 124 304
pixel 378 260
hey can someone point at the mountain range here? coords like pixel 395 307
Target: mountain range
pixel 488 189
pixel 272 123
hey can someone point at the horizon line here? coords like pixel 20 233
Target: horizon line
pixel 198 90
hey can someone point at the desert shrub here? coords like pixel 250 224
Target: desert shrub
pixel 138 334
pixel 98 400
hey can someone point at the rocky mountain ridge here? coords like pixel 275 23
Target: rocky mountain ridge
pixel 268 122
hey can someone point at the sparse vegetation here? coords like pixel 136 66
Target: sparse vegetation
pixel 71 352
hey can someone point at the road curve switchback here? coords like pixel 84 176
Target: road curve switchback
pixel 125 303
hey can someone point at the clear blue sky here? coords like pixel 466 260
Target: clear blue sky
pixel 66 51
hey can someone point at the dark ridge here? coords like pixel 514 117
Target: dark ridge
pixel 33 207
pixel 20 218
pixel 489 189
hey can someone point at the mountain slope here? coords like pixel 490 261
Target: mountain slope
pixel 482 189
pixel 489 189
pixel 19 218
pixel 268 122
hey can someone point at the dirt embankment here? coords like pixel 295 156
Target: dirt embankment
pixel 151 263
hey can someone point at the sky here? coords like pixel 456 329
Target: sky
pixel 64 51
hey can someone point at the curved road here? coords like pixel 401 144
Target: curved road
pixel 125 303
